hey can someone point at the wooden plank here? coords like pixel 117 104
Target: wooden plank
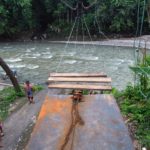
pixel 79 86
pixel 5 84
pixel 84 79
pixel 78 75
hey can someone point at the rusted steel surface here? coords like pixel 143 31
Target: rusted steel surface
pixel 80 79
pixel 53 122
pixel 78 75
pixel 95 124
pixel 104 127
pixel 80 86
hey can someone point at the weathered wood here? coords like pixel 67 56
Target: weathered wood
pixel 78 75
pixel 83 79
pixel 79 86
pixel 5 84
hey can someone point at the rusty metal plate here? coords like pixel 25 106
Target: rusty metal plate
pixel 99 125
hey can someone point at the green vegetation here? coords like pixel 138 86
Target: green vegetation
pixel 137 111
pixel 8 96
pixel 134 102
pixel 15 16
pixel 37 88
pixel 55 18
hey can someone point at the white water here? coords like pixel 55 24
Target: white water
pixel 35 60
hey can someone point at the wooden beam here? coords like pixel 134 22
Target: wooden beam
pixel 80 79
pixel 5 84
pixel 78 75
pixel 79 86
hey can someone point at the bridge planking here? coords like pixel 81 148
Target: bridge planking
pixel 80 79
pixel 90 81
pixel 77 75
pixel 5 84
pixel 79 86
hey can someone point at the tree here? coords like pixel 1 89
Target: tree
pixel 148 12
pixel 41 16
pixel 10 75
pixel 15 16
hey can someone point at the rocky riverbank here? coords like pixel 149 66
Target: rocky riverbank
pixel 142 42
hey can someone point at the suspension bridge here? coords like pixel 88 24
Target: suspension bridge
pixel 71 122
pixel 78 121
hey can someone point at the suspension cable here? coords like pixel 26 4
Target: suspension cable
pixel 135 38
pixel 91 5
pixel 88 31
pixel 96 21
pixel 77 29
pixel 83 33
pixel 138 18
pixel 139 44
pixel 66 45
pixel 141 27
pixel 68 5
pixel 143 17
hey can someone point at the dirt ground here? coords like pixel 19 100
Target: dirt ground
pixel 21 120
pixel 18 126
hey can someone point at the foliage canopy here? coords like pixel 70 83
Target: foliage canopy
pixel 54 16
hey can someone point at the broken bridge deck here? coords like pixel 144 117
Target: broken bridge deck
pixel 103 127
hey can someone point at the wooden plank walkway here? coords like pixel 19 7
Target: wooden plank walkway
pixel 103 127
pixel 96 81
pixel 79 86
pixel 79 79
pixel 78 75
pixel 6 84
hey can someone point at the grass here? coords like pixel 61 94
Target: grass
pixel 8 96
pixel 137 110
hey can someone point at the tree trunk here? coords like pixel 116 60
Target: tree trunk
pixel 148 12
pixel 10 75
pixel 71 17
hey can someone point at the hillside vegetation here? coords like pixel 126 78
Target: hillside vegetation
pixel 55 17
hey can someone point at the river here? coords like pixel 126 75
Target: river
pixel 35 60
